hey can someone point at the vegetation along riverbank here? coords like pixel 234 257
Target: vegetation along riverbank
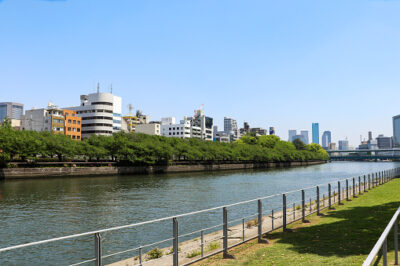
pixel 132 149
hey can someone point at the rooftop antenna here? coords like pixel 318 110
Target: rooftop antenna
pixel 111 88
pixel 98 87
pixel 130 109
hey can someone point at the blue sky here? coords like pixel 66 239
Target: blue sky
pixel 271 63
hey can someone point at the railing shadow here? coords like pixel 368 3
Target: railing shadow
pixel 355 233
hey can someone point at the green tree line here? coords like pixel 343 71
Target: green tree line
pixel 142 149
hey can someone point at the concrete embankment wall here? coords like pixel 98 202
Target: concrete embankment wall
pixel 12 173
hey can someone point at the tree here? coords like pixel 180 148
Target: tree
pixel 299 144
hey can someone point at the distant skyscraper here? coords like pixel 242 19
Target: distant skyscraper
pixel 396 131
pixel 304 133
pixel 271 130
pixel 326 139
pixel 11 110
pixel 292 133
pixel 315 133
pixel 369 135
pixel 343 145
pixel 230 124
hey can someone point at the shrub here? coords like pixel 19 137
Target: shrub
pixel 193 254
pixel 252 223
pixel 154 254
pixel 212 246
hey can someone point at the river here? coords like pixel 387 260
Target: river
pixel 37 209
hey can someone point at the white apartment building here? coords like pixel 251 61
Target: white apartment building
pixel 101 113
pixel 169 128
pixel 150 129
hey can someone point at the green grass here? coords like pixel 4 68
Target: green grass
pixel 344 236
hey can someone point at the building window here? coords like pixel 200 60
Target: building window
pixel 69 121
pixel 78 129
pixel 74 122
pixel 78 137
pixel 79 122
pixel 169 133
pixel 69 129
pixel 73 137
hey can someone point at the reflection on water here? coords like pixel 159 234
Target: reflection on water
pixel 32 210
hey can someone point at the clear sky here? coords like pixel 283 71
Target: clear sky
pixel 271 63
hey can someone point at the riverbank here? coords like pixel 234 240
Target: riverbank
pixel 22 173
pixel 344 236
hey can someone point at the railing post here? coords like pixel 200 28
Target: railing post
pixel 284 212
pixel 347 189
pixel 310 207
pixel 369 182
pixel 318 213
pixel 359 185
pixel 384 252
pixel 396 242
pixel 294 211
pixel 329 197
pixel 175 240
pixel 354 188
pixel 339 192
pixel 97 249
pixel 272 219
pixel 364 184
pixel 202 239
pixel 334 197
pixel 303 206
pixel 140 256
pixel 260 240
pixel 243 229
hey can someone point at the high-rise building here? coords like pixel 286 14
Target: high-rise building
pixel 384 142
pixel 304 133
pixel 369 135
pixel 259 131
pixel 11 110
pixel 315 133
pixel 396 131
pixel 326 139
pixel 101 113
pixel 271 130
pixel 343 145
pixel 300 137
pixel 205 123
pixel 292 133
pixel 231 129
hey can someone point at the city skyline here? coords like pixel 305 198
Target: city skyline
pixel 236 67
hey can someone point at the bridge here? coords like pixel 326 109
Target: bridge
pixel 365 155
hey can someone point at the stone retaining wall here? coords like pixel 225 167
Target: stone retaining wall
pixel 10 173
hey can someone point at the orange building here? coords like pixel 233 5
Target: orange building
pixel 72 124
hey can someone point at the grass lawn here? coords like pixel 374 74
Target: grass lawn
pixel 343 236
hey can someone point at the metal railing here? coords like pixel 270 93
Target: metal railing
pixel 230 233
pixel 382 242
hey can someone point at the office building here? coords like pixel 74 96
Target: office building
pixel 11 110
pixel 271 130
pixel 205 123
pixel 343 145
pixel 292 133
pixel 396 131
pixel 182 130
pixel 332 146
pixel 231 129
pixel 384 142
pixel 132 120
pixel 150 129
pixel 259 131
pixel 326 139
pixel 304 133
pixel 300 137
pixel 100 112
pixel 369 135
pixel 315 133
pixel 53 119
pixel 72 124
pixel 221 136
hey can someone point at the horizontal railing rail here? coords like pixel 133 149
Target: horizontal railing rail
pixel 256 224
pixel 381 244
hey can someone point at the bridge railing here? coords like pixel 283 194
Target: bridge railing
pixel 225 226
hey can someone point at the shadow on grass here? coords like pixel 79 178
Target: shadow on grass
pixel 355 233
